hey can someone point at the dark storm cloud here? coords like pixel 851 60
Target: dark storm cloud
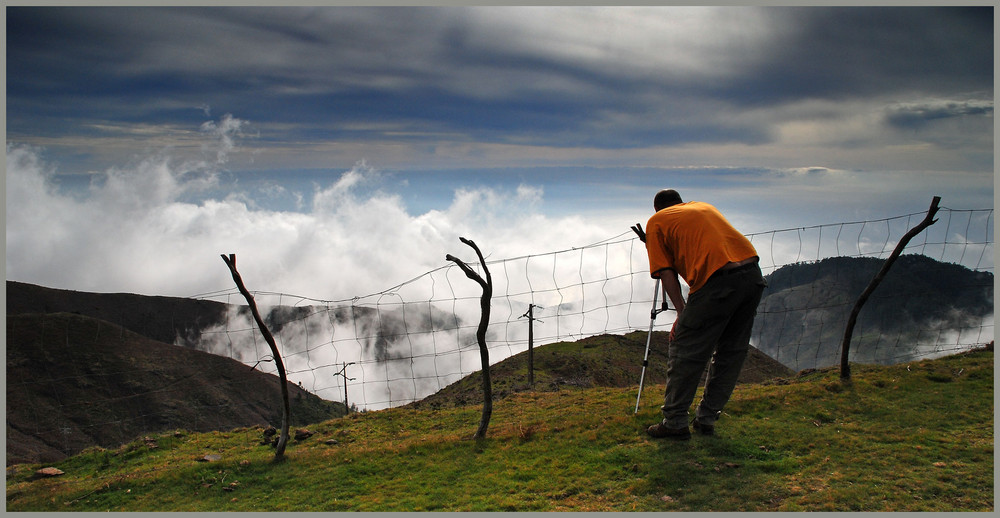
pixel 919 114
pixel 480 76
pixel 839 53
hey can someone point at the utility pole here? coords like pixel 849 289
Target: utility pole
pixel 531 343
pixel 343 372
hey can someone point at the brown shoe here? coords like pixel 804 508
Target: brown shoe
pixel 660 431
pixel 702 428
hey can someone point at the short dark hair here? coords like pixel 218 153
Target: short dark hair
pixel 666 198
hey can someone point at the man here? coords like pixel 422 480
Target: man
pixel 694 241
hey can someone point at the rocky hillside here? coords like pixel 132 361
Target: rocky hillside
pixel 74 382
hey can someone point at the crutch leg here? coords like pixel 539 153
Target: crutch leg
pixel 649 336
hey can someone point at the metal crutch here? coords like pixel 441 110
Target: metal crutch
pixel 649 336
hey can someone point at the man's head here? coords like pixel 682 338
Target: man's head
pixel 666 198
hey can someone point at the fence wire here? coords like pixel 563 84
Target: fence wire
pixel 405 343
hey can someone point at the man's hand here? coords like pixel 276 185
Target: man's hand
pixel 637 228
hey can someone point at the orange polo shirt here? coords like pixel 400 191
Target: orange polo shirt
pixel 694 239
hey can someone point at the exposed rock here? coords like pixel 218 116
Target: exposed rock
pixel 48 472
pixel 269 437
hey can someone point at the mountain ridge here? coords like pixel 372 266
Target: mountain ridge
pixel 803 311
pixel 800 322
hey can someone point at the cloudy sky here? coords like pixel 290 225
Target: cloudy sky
pixel 339 151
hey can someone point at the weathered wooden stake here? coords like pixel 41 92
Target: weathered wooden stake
pixel 484 353
pixel 845 367
pixel 286 414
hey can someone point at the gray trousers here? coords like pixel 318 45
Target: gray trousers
pixel 715 325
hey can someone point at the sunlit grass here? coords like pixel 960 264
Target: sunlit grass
pixel 915 437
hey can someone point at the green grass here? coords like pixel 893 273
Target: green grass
pixel 913 437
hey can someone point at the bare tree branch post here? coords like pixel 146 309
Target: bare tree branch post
pixel 845 367
pixel 286 414
pixel 484 321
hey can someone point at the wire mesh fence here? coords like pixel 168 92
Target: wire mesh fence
pixel 414 339
pixel 407 342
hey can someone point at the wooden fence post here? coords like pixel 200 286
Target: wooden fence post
pixel 845 367
pixel 484 353
pixel 286 413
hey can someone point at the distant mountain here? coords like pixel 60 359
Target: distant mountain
pixel 164 319
pixel 182 321
pixel 803 314
pixel 74 382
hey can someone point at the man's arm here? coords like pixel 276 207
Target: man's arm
pixel 672 288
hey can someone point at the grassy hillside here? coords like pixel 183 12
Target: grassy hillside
pixel 596 361
pixel 911 437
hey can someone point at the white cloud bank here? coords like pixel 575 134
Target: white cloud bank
pixel 133 231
